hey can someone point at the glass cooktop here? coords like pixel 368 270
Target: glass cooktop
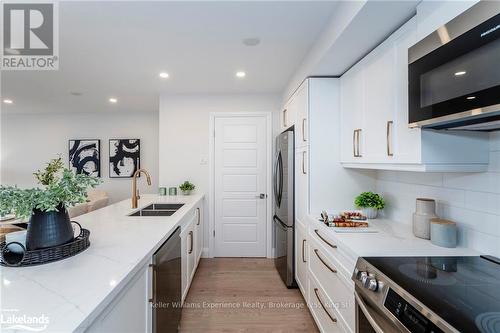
pixel 464 291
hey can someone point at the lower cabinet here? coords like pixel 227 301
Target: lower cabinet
pixel 188 255
pixel 130 311
pixel 335 281
pixel 301 253
pixel 324 310
pixel 324 279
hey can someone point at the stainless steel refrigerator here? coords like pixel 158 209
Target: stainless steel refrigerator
pixel 283 219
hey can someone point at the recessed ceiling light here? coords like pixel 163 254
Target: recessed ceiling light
pixel 241 74
pixel 75 93
pixel 253 41
pixel 460 73
pixel 8 101
pixel 113 100
pixel 164 75
pixel 471 97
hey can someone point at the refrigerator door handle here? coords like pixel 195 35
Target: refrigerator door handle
pixel 280 193
pixel 275 179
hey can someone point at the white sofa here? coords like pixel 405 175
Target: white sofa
pixel 95 199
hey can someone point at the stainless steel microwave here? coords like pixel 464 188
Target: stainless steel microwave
pixel 454 73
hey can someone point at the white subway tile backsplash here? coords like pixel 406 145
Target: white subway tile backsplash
pixel 481 242
pixel 484 202
pixel 494 165
pixel 495 141
pixel 480 182
pixel 451 197
pixel 471 219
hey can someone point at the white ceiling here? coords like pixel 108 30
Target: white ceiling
pixel 118 48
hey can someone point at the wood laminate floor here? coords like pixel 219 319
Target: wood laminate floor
pixel 243 295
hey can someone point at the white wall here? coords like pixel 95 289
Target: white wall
pixel 470 199
pixel 184 134
pixel 29 140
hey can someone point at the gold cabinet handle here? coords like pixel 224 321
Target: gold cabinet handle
pixel 354 143
pixel 191 242
pixel 324 240
pixel 304 162
pixel 389 134
pixel 324 262
pixel 323 306
pixel 303 254
pixel 357 141
pixel 199 217
pixel 284 117
pixel 153 279
pixel 304 130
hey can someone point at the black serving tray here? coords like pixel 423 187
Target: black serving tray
pixel 43 256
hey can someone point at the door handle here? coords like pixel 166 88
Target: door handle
pixel 284 117
pixel 364 308
pixel 199 216
pixel 261 196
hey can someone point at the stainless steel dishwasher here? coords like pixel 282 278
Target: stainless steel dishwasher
pixel 166 301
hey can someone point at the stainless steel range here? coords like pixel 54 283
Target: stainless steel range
pixel 427 294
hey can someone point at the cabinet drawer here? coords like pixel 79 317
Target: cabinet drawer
pixel 335 281
pixel 324 311
pixel 331 246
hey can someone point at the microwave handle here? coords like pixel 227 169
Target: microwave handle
pixel 364 308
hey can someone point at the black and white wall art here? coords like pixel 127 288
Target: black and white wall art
pixel 85 157
pixel 124 157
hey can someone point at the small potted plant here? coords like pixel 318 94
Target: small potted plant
pixel 49 224
pixel 370 203
pixel 187 187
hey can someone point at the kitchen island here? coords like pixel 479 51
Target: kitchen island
pixel 69 295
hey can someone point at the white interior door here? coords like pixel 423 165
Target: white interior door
pixel 240 177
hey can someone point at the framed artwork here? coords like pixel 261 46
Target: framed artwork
pixel 124 157
pixel 85 157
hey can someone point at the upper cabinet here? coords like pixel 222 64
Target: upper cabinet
pixel 374 118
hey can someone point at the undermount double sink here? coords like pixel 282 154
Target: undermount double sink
pixel 158 209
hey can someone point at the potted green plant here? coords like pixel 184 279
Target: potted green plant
pixel 46 207
pixel 187 187
pixel 370 203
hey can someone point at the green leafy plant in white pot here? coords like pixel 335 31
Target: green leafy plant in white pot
pixel 46 206
pixel 187 187
pixel 370 203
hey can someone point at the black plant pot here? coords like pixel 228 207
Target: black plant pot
pixel 48 229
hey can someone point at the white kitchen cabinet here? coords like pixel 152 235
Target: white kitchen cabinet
pixel 374 113
pixel 300 103
pixel 301 258
pixel 324 310
pixel 198 233
pixel 301 185
pixel 130 311
pixel 351 130
pixel 288 115
pixel 187 254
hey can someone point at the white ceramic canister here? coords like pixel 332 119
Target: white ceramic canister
pixel 425 210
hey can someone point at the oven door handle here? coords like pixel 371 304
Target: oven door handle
pixel 362 305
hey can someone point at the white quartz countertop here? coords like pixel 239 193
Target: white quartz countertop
pixel 391 239
pixel 72 292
